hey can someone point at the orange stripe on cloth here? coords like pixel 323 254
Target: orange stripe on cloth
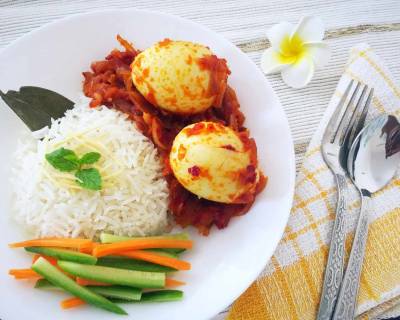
pixel 285 285
pixel 312 223
pixel 305 269
pixel 252 296
pixel 312 174
pixel 318 196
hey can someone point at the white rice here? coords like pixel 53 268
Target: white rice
pixel 134 197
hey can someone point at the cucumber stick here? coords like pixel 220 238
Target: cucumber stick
pixel 156 296
pixel 110 238
pixel 118 292
pixel 55 276
pixel 162 296
pixel 63 254
pixel 131 264
pixel 137 279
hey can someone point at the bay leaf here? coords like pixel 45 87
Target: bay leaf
pixel 36 106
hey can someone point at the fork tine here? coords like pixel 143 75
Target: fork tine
pixel 353 119
pixel 363 116
pixel 333 120
pixel 344 117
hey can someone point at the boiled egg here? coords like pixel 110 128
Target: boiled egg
pixel 170 76
pixel 215 162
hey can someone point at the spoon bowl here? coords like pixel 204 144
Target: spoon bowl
pixel 368 164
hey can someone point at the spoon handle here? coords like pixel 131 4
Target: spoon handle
pixel 334 268
pixel 347 300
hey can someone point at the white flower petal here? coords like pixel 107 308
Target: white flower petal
pixel 278 32
pixel 319 52
pixel 300 73
pixel 272 61
pixel 309 29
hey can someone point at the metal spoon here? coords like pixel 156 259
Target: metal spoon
pixel 370 169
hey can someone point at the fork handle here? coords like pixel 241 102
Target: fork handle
pixel 334 269
pixel 347 300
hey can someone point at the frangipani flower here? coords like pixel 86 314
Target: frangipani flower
pixel 296 51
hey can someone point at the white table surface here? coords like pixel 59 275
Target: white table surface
pixel 376 22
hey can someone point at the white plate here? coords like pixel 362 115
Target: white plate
pixel 225 263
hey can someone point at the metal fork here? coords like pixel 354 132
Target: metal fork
pixel 344 125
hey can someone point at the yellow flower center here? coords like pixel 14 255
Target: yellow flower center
pixel 292 49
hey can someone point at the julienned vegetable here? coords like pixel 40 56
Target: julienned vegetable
pixel 136 264
pixel 110 238
pixel 131 264
pixel 153 296
pixel 157 259
pixel 53 242
pixel 137 279
pixel 72 303
pixel 118 292
pixel 162 296
pixel 157 296
pixel 86 282
pixel 64 254
pixel 55 276
pixel 45 284
pixel 136 244
pixel 171 283
pixel 23 273
pixel 162 252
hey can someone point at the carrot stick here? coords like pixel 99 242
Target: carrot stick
pixel 135 244
pixel 28 277
pixel 156 258
pixel 85 282
pixel 60 242
pixel 35 257
pixel 172 283
pixel 71 303
pixel 23 273
pixel 88 248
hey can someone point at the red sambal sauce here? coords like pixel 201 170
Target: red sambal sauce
pixel 109 83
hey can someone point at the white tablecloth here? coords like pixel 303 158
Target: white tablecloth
pixel 244 23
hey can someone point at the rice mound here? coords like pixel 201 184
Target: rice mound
pixel 134 197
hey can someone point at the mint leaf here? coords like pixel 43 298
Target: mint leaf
pixel 89 178
pixel 66 160
pixel 90 158
pixel 72 157
pixel 63 159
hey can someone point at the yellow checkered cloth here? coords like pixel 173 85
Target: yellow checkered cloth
pixel 291 284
